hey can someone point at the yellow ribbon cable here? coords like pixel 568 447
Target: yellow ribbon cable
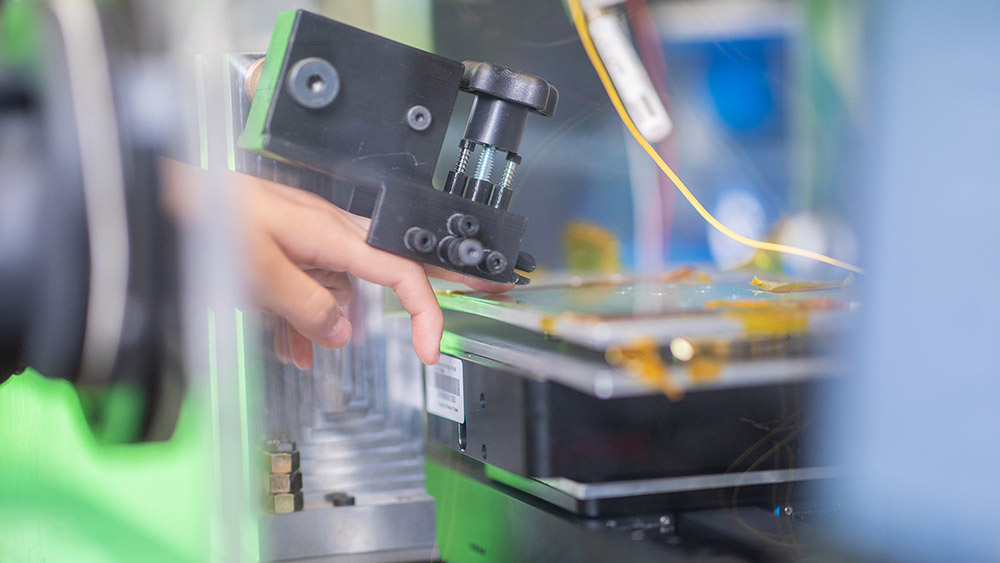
pixel 580 21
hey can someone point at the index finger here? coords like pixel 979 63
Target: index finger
pixel 468 281
pixel 334 248
pixel 409 281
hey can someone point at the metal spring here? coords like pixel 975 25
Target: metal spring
pixel 463 159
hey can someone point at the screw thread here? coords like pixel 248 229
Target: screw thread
pixel 485 168
pixel 508 174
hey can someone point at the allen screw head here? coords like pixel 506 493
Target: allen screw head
pixel 418 118
pixel 468 252
pixel 463 225
pixel 495 263
pixel 420 240
pixel 313 83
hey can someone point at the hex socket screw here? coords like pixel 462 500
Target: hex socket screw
pixel 420 240
pixel 463 225
pixel 461 252
pixel 419 118
pixel 469 252
pixel 495 263
pixel 485 167
pixel 313 83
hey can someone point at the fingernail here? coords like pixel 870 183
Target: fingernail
pixel 281 350
pixel 340 333
pixel 303 363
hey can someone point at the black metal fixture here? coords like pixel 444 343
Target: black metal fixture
pixel 373 113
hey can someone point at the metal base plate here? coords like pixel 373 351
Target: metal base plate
pixel 671 493
pixel 383 532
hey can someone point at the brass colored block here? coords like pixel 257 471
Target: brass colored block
pixel 285 482
pixel 281 462
pixel 283 503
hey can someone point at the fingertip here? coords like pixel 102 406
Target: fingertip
pixel 484 286
pixel 281 348
pixel 429 356
pixel 301 349
pixel 490 287
pixel 302 363
pixel 340 334
pixel 427 330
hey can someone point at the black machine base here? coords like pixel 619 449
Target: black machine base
pixel 480 519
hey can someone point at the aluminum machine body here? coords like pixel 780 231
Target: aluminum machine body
pixel 360 120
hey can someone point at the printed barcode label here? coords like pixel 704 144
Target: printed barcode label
pixel 447 383
pixel 445 397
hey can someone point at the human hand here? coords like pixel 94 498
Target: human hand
pixel 300 250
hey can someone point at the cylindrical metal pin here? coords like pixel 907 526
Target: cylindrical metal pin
pixel 508 174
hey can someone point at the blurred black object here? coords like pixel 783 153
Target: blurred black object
pixel 79 202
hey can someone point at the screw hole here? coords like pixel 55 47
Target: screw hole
pixel 315 83
pixel 484 451
pixel 419 118
pixel 482 400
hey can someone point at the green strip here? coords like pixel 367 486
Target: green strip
pixel 451 344
pixel 230 148
pixel 215 524
pixel 250 477
pixel 253 136
pixel 510 479
pixel 20 37
pixel 199 85
pixel 213 374
pixel 241 364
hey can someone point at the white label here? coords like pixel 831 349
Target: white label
pixel 445 396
